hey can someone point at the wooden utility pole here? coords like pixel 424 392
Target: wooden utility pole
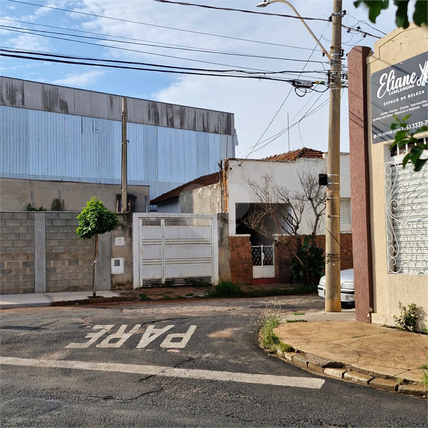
pixel 124 181
pixel 332 235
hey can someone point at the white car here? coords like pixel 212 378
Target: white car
pixel 346 286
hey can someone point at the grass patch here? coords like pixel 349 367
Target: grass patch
pixel 144 297
pixel 165 298
pixel 299 313
pixel 295 321
pixel 226 289
pixel 268 338
pixel 285 347
pixel 424 369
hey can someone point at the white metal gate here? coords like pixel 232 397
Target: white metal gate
pixel 174 249
pixel 263 261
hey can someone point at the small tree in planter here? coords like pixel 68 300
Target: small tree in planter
pixel 95 219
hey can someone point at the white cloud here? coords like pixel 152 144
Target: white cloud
pixel 79 80
pixel 254 104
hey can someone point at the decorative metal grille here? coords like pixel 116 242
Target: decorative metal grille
pixel 262 255
pixel 257 255
pixel 407 219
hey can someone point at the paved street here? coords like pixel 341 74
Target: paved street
pixel 194 363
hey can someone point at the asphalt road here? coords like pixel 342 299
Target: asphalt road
pixel 173 364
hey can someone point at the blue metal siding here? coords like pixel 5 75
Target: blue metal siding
pixel 52 146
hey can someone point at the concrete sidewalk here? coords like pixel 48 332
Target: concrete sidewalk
pixel 335 345
pixel 33 300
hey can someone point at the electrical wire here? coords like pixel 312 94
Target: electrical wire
pixel 108 38
pixel 156 25
pixel 256 13
pixel 253 149
pixel 228 9
pixel 134 65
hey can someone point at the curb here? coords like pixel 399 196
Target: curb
pixel 349 373
pixel 95 300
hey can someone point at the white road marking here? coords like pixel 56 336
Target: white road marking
pixel 296 382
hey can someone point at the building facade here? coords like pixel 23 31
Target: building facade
pixel 242 186
pixel 58 134
pixel 390 224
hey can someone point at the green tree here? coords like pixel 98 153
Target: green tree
pixel 95 219
pixel 401 17
pixel 405 137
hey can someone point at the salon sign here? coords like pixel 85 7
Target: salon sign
pixel 400 90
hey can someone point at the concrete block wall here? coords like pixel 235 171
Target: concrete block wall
pixel 68 258
pixel 17 249
pixel 241 262
pixel 41 253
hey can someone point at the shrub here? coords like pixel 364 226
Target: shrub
pixel 226 289
pixel 408 317
pixel 308 265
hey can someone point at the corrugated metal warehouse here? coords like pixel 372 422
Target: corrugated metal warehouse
pixel 55 133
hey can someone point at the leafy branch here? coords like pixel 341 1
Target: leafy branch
pixel 404 136
pixel 401 17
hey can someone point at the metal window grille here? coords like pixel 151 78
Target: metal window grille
pixel 407 217
pixel 262 255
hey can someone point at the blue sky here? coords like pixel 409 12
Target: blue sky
pixel 147 31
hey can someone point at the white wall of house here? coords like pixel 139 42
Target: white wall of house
pixel 286 174
pixel 203 200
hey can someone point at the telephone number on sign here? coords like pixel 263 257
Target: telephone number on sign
pixel 418 124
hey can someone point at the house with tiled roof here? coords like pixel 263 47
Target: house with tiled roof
pixel 236 191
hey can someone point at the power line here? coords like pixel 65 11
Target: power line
pixel 156 25
pixel 133 65
pixel 129 50
pixel 108 38
pixel 172 56
pixel 228 9
pixel 253 149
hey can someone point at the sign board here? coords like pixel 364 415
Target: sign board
pixel 400 90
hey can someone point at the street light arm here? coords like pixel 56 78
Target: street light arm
pixel 266 3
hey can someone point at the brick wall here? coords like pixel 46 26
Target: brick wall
pixel 68 258
pixel 17 252
pixel 283 258
pixel 241 263
pixel 346 254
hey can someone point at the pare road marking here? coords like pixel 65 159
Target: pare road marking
pixel 259 379
pixel 116 340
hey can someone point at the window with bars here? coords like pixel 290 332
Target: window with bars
pixel 345 210
pixel 396 151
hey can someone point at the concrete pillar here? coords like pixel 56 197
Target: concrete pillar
pixel 40 252
pixel 358 90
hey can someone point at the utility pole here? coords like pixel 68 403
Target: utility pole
pixel 332 235
pixel 124 181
